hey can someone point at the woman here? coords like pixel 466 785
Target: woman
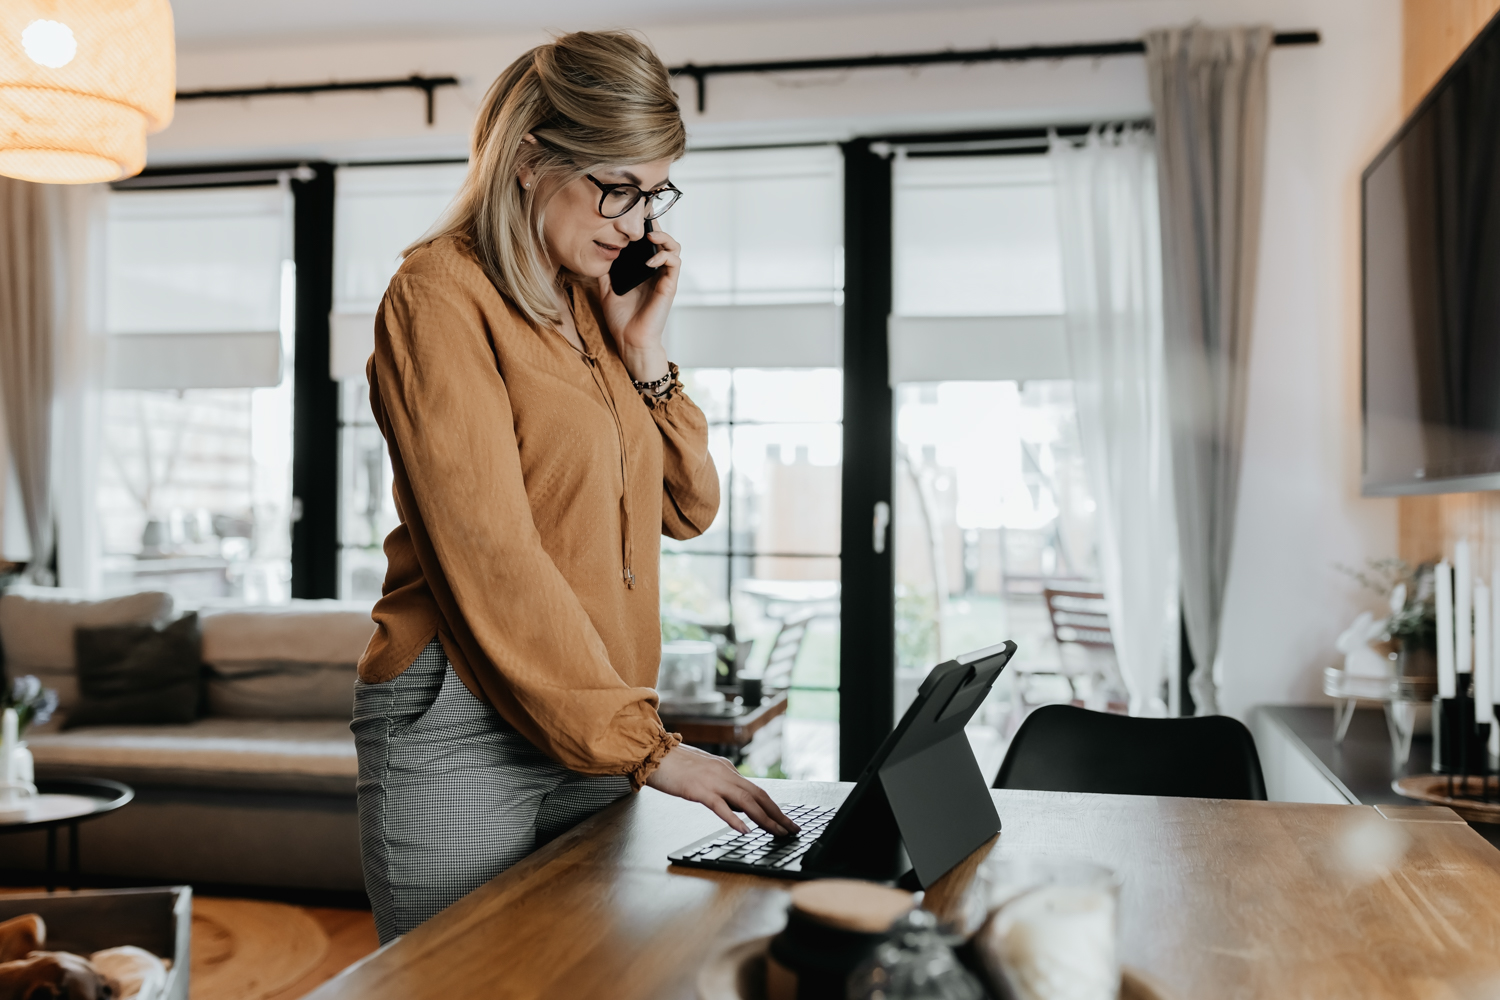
pixel 540 444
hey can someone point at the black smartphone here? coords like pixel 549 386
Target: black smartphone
pixel 629 269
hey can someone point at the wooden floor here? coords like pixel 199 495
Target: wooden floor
pixel 351 936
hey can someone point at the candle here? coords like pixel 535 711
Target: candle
pixel 1443 581
pixel 1463 608
pixel 1484 701
pixel 9 735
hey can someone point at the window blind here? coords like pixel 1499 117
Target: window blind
pixel 762 250
pixel 977 270
pixel 195 287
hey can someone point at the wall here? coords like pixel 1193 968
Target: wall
pixel 1436 31
pixel 1331 109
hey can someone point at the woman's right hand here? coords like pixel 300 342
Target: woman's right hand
pixel 692 774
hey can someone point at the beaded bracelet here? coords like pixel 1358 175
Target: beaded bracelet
pixel 657 387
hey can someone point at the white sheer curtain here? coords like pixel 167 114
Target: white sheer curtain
pixel 80 359
pixel 51 368
pixel 1110 235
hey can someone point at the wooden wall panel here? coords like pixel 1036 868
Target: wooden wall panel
pixel 1435 32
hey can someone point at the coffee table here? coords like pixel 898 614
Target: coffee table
pixel 68 802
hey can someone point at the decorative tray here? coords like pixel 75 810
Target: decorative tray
pixel 1338 683
pixel 1433 788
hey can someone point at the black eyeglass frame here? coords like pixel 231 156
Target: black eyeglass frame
pixel 605 190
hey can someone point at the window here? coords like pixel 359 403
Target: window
pixel 756 329
pixel 194 489
pixel 992 503
pixel 378 213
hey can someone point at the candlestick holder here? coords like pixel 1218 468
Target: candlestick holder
pixel 1460 744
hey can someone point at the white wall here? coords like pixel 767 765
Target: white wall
pixel 1331 108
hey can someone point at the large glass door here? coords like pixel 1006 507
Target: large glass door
pixel 993 517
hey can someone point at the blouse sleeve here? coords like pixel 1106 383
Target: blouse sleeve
pixel 543 664
pixel 690 483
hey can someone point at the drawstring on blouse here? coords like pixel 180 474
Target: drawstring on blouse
pixel 627 552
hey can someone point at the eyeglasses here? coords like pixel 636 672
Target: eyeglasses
pixel 617 199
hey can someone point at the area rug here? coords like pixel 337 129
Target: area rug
pixel 246 949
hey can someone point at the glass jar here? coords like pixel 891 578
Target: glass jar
pixel 1051 928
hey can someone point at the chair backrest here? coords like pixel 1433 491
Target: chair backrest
pixel 1060 748
pixel 784 651
pixel 1079 616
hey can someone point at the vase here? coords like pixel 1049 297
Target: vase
pixel 1416 661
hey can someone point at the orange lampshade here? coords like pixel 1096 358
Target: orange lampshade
pixel 82 82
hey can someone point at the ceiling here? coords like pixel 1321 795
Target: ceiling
pixel 225 21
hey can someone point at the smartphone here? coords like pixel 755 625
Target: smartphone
pixel 629 269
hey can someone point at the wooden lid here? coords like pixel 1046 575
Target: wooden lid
pixel 851 905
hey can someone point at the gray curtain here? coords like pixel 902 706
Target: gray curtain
pixel 1208 90
pixel 26 361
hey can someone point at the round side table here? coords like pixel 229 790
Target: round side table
pixel 68 802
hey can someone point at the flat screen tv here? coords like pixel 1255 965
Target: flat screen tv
pixel 1431 277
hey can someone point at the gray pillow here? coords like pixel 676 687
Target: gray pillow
pixel 138 675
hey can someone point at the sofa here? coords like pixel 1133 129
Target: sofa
pixel 259 790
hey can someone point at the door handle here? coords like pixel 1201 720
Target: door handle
pixel 882 523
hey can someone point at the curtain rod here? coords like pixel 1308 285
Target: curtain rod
pixel 426 84
pixel 215 178
pixel 700 74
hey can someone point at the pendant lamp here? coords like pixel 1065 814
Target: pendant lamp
pixel 81 84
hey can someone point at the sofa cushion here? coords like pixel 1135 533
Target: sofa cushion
pixel 281 689
pixel 286 661
pixel 37 625
pixel 305 755
pixel 138 674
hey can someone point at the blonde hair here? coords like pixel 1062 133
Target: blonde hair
pixel 588 98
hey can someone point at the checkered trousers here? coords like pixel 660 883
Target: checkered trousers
pixel 450 795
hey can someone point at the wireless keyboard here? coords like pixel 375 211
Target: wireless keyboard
pixel 758 851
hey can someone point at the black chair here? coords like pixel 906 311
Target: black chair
pixel 1060 748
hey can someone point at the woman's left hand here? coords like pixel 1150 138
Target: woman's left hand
pixel 638 318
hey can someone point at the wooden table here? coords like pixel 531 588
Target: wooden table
pixel 726 735
pixel 1220 899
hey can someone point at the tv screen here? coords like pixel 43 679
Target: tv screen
pixel 1431 261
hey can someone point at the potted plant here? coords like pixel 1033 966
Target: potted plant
pixel 32 702
pixel 1411 626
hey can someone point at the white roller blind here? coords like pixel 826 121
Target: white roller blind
pixel 762 258
pixel 194 287
pixel 759 226
pixel 977 270
pixel 378 212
